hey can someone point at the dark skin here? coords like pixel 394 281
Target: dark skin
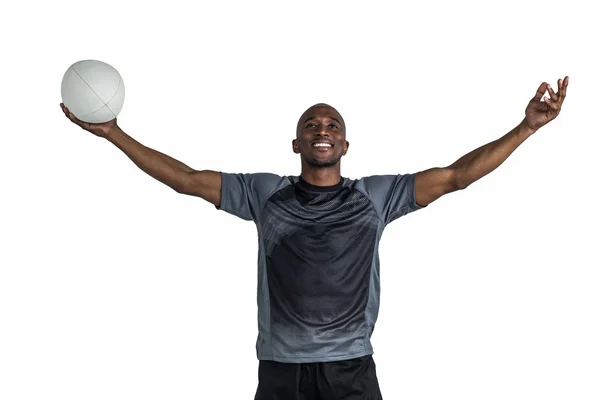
pixel 322 122
pixel 433 183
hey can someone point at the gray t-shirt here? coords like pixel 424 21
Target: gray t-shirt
pixel 318 261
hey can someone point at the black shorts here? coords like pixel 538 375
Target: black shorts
pixel 348 380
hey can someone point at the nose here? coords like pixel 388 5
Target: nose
pixel 323 130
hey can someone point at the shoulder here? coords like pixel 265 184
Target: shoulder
pixel 383 183
pixel 257 178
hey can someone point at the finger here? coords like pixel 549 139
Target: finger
pixel 563 89
pixel 64 108
pixel 66 111
pixel 540 92
pixel 551 104
pixel 73 118
pixel 553 95
pixel 561 97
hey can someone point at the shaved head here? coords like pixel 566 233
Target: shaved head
pixel 310 112
pixel 320 122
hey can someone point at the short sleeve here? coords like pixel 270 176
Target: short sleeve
pixel 392 195
pixel 244 195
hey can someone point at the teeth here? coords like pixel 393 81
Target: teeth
pixel 321 145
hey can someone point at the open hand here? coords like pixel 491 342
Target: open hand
pixel 539 113
pixel 101 130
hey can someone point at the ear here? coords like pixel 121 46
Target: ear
pixel 295 146
pixel 346 147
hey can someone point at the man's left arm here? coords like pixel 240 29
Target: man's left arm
pixel 433 183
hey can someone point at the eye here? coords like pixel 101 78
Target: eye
pixel 333 126
pixel 310 125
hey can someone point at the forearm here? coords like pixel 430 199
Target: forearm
pixel 156 164
pixel 485 159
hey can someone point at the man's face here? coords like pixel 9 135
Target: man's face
pixel 321 137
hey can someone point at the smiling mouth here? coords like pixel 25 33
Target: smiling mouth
pixel 322 146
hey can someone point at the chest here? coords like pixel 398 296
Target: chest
pixel 319 225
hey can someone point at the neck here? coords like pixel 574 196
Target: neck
pixel 322 176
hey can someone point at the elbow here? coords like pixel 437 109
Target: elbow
pixel 181 183
pixel 459 182
pixel 460 186
pixel 178 189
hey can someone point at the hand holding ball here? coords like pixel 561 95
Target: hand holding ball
pixel 93 95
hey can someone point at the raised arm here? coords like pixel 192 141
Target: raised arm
pixel 433 183
pixel 205 184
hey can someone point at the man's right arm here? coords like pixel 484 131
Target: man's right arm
pixel 175 174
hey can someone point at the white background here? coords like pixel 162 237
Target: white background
pixel 113 286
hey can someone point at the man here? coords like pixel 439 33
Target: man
pixel 318 280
